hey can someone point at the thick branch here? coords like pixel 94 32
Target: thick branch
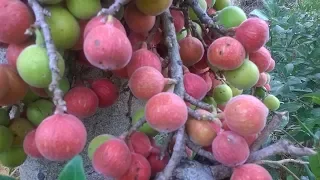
pixel 273 125
pixel 283 161
pixel 197 149
pixel 220 171
pixel 280 147
pixel 133 128
pixel 52 54
pixel 113 8
pixel 198 103
pixel 205 117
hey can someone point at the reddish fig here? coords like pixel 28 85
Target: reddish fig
pixel 178 19
pixel 112 158
pixel 251 138
pixel 98 20
pixel 60 137
pixel 122 73
pixel 263 78
pixel 166 112
pixel 106 91
pixel 107 48
pixel 140 169
pixel 250 172
pixel 245 114
pixel 146 82
pixel 15 19
pixel 191 50
pixel 81 102
pixel 141 144
pixel 29 145
pixel 200 67
pixel 253 34
pixel 268 87
pixel 271 66
pixel 157 165
pixel 14 51
pixel 143 57
pixel 226 53
pixel 195 86
pixel 261 58
pixel 137 21
pixel 230 149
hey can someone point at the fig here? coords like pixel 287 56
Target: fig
pixel 157 164
pixel 145 128
pixel 96 142
pixel 221 4
pixel 60 137
pixel 140 169
pixel 20 127
pixel 178 19
pixel 261 58
pixel 235 91
pixel 263 78
pixel 195 86
pixel 203 6
pixel 64 85
pixel 231 16
pixel 29 145
pixel 182 34
pixel 30 97
pixel 107 92
pixel 166 112
pixel 271 65
pixel 226 53
pixel 153 7
pixel 245 115
pixel 140 143
pixel 222 93
pixel 13 157
pixel 39 110
pixel 272 102
pixel 84 10
pixel 14 51
pixel 191 50
pixel 250 172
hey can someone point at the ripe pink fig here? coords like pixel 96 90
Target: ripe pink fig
pixel 200 67
pixel 261 58
pixel 29 145
pixel 230 149
pixel 81 101
pixel 141 144
pixel 271 66
pixel 251 138
pixel 107 48
pixel 156 164
pixel 268 87
pixel 60 137
pixel 178 19
pixel 97 21
pixel 250 172
pixel 140 169
pixel 136 20
pixel 122 73
pixel 107 92
pixel 226 53
pixel 14 51
pixel 245 114
pixel 112 158
pixel 263 78
pixel 195 85
pixel 143 57
pixel 146 82
pixel 253 34
pixel 166 112
pixel 191 50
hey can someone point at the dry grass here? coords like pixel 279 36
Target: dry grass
pixel 9 172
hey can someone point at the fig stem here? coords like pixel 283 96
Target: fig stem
pixel 113 8
pixel 52 55
pixel 197 149
pixel 39 37
pixel 133 128
pixel 170 81
pixel 198 103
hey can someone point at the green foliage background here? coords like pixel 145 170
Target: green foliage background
pixel 295 46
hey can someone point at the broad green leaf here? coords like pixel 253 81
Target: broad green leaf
pixel 314 161
pixel 73 170
pixel 304 127
pixel 3 177
pixel 259 14
pixel 290 107
pixel 289 67
pixel 315 97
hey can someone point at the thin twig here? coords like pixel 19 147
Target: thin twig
pixel 198 103
pixel 204 117
pixel 53 58
pixel 133 128
pixel 197 149
pixel 273 125
pixel 113 8
pixel 283 161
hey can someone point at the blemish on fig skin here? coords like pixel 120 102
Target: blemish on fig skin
pixel 96 42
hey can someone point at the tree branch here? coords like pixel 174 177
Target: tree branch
pixel 284 161
pixel 113 8
pixel 133 128
pixel 205 117
pixel 197 149
pixel 220 171
pixel 280 147
pixel 53 58
pixel 273 125
pixel 198 103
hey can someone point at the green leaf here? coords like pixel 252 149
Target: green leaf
pixel 73 170
pixel 290 107
pixel 2 177
pixel 259 14
pixel 315 97
pixel 314 161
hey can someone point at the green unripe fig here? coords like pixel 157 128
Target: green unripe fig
pixel 222 93
pixel 235 91
pixel 220 4
pixel 64 85
pixel 182 34
pixel 203 5
pixel 145 128
pixel 231 16
pixel 6 138
pixel 13 157
pixel 96 142
pixel 49 1
pixel 272 102
pixel 30 97
pixel 65 29
pixel 17 141
pixel 20 127
pixel 210 100
pixel 83 9
pixel 244 77
pixel 33 66
pixel 260 92
pixel 153 7
pixel 39 110
pixel 4 117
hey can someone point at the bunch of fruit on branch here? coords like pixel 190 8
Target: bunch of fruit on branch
pixel 131 42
